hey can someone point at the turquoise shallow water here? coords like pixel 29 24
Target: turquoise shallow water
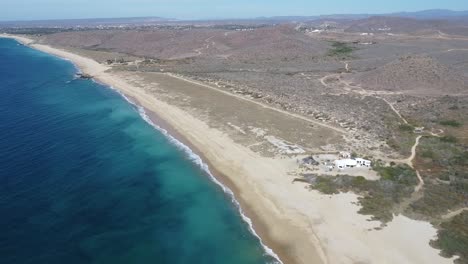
pixel 84 179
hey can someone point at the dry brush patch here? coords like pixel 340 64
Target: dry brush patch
pixel 379 199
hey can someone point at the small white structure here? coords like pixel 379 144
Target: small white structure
pixel 352 163
pixel 418 130
pixel 363 162
pixel 345 163
pixel 345 155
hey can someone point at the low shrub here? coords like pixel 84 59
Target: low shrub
pixel 449 139
pixel 406 127
pixel 452 238
pixel 452 123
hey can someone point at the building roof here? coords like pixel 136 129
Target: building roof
pixel 362 160
pixel 345 162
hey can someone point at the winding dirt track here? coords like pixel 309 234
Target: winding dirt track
pixel 454 213
pixel 411 164
pixel 409 160
pixel 394 110
pixel 362 92
pixel 204 47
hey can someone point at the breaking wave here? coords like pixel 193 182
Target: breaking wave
pixel 193 157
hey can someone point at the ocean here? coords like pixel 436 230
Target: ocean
pixel 84 178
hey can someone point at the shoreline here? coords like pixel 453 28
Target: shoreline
pixel 217 178
pixel 248 215
pixel 301 226
pixel 221 180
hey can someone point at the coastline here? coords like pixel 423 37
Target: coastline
pixel 248 215
pixel 217 177
pixel 298 230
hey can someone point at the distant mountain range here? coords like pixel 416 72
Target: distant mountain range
pixel 434 14
pixel 425 14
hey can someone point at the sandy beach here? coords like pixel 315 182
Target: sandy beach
pixel 299 225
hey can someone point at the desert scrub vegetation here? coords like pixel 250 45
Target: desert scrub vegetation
pixel 377 198
pixel 401 136
pixel 401 141
pixel 401 174
pixel 449 139
pixel 443 156
pixel 452 238
pixel 406 128
pixel 444 165
pixel 326 185
pixel 452 123
pixel 340 49
pixel 438 199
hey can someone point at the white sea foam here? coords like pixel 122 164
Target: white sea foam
pixel 199 162
pixel 192 156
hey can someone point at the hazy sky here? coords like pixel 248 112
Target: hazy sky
pixel 196 9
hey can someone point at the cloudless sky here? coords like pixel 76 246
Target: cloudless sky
pixel 200 9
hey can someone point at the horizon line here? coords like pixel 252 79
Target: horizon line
pixel 168 19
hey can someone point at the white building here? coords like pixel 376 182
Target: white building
pixel 345 163
pixel 352 163
pixel 418 130
pixel 363 162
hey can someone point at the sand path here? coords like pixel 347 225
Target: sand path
pixel 359 90
pixel 450 215
pixel 395 110
pixel 411 164
pixel 205 46
pixel 409 160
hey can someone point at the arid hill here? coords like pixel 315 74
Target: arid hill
pixel 269 43
pixel 414 74
pixel 381 24
pixel 154 44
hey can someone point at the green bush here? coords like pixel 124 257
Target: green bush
pixel 428 154
pixel 443 177
pixel 377 205
pixel 378 198
pixel 452 238
pixel 438 199
pixel 402 174
pixel 326 185
pixel 449 139
pixel 360 183
pixel 340 49
pixel 406 127
pixel 452 123
pixel 461 159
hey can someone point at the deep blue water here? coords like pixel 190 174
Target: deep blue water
pixel 84 179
